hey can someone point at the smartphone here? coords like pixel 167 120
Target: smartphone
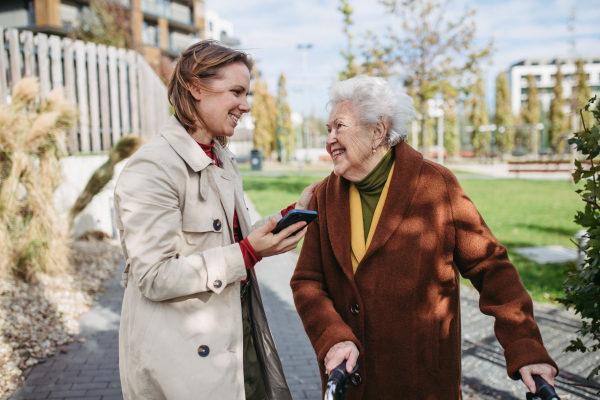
pixel 293 217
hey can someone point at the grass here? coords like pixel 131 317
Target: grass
pixel 520 213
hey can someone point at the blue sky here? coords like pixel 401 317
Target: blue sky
pixel 272 29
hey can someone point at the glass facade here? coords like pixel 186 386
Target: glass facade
pixel 179 41
pixel 150 34
pixel 181 13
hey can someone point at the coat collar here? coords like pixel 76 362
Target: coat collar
pixel 407 170
pixel 187 148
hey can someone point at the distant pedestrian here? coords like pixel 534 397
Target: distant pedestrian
pixel 193 324
pixel 378 277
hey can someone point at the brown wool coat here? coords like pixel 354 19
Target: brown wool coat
pixel 407 328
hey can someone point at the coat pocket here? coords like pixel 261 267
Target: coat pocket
pixel 434 344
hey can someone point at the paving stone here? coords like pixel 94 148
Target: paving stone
pixel 90 370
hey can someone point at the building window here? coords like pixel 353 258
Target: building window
pixel 161 8
pixel 181 13
pixel 179 41
pixel 535 63
pixel 210 27
pixel 69 14
pixel 150 34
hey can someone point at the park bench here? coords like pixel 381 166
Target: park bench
pixel 541 166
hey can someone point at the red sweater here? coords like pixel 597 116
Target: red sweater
pixel 251 257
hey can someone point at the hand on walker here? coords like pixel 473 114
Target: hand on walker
pixel 546 371
pixel 267 244
pixel 306 195
pixel 340 352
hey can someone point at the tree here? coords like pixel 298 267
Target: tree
pixel 582 287
pixel 351 69
pixel 581 92
pixel 285 126
pixel 106 22
pixel 558 118
pixel 531 112
pixel 264 111
pixel 504 116
pixel 479 117
pixel 432 49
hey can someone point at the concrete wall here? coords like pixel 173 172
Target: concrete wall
pixel 77 170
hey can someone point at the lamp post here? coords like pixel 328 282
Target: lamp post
pixel 304 49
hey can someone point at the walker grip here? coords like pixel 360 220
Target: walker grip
pixel 544 391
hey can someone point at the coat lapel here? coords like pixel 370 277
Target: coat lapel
pixel 407 170
pixel 338 222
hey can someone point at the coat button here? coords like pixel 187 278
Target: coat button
pixel 203 350
pixel 217 224
pixel 356 379
pixel 354 308
pixel 217 284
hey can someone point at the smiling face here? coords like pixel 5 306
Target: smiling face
pixel 351 144
pixel 223 104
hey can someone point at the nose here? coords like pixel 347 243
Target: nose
pixel 332 137
pixel 244 105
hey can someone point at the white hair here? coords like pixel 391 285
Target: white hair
pixel 376 100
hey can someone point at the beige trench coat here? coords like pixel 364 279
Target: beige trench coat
pixel 174 212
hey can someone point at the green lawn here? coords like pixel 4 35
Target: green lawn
pixel 520 213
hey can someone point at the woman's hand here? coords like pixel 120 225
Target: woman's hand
pixel 267 244
pixel 305 197
pixel 546 371
pixel 340 352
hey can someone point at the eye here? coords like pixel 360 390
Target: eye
pixel 237 92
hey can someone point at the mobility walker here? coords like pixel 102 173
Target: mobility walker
pixel 337 385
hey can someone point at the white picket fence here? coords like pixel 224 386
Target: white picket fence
pixel 116 91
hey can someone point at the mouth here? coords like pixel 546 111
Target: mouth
pixel 337 152
pixel 235 119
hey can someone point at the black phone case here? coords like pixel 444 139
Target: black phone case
pixel 291 219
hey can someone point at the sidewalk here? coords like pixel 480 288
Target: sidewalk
pixel 89 370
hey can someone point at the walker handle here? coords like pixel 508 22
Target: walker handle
pixel 545 391
pixel 338 382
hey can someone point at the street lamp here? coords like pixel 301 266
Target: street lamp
pixel 304 49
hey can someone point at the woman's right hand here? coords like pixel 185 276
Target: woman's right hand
pixel 267 244
pixel 340 352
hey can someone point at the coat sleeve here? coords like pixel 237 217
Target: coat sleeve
pixel 322 323
pixel 147 203
pixel 484 261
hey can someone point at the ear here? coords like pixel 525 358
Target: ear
pixel 379 133
pixel 194 91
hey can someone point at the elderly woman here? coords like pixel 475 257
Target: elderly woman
pixel 378 277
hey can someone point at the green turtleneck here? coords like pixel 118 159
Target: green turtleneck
pixel 370 189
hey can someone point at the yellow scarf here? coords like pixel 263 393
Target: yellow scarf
pixel 359 247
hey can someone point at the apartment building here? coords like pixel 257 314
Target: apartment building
pixel 161 26
pixel 544 71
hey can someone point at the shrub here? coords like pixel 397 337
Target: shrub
pixel 32 236
pixel 582 287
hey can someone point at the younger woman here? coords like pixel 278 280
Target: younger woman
pixel 193 324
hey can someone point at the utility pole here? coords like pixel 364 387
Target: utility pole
pixel 304 49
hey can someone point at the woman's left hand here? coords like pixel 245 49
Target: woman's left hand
pixel 546 371
pixel 305 197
